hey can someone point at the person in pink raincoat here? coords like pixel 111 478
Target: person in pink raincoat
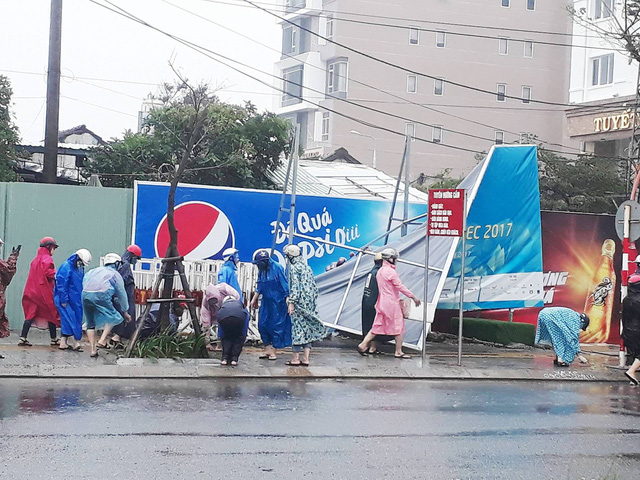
pixel 389 319
pixel 37 299
pixel 211 303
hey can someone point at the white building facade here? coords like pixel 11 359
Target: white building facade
pixel 506 51
pixel 602 83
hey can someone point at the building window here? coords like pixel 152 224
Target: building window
pixel 526 94
pixel 412 84
pixel 531 4
pixel 503 46
pixel 528 49
pixel 329 28
pixel 525 138
pixel 502 92
pixel 289 35
pixel 604 8
pixel 325 126
pixel 438 86
pixel 292 85
pixel 414 36
pixel 499 137
pixel 293 5
pixel 441 38
pixel 410 131
pixel 337 72
pixel 505 3
pixel 436 135
pixel 602 70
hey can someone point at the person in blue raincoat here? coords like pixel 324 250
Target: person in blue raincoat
pixel 126 329
pixel 229 271
pixel 67 295
pixel 560 326
pixel 274 323
pixel 103 300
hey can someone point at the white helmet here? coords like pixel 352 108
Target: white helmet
pixel 389 253
pixel 228 253
pixel 228 298
pixel 292 250
pixel 111 258
pixel 85 256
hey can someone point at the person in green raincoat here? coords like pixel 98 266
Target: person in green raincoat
pixel 306 326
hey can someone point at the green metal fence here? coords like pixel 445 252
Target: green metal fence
pixel 76 216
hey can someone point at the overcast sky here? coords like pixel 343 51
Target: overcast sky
pixel 101 45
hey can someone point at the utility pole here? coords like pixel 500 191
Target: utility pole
pixel 50 167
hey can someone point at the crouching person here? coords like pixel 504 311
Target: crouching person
pixel 103 298
pixel 560 326
pixel 234 320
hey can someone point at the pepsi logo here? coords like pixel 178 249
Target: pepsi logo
pixel 204 231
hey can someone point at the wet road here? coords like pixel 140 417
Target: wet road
pixel 318 429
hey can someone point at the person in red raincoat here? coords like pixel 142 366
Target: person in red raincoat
pixel 37 299
pixel 7 271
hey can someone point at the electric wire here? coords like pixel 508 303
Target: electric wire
pixel 397 66
pixel 385 92
pixel 214 56
pixel 203 51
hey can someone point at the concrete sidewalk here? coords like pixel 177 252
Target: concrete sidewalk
pixel 334 358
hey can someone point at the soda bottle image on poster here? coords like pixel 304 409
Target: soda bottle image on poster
pixel 599 301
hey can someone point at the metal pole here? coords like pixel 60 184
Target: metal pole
pixel 626 227
pixel 425 309
pixel 50 163
pixel 346 292
pixel 294 185
pixel 375 162
pixel 281 209
pixel 407 183
pixel 460 314
pixel 395 193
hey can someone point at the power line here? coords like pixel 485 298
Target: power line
pixel 202 51
pixel 383 91
pixel 396 66
pixel 410 20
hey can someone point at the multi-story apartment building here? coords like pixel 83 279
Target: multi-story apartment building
pixel 603 82
pixel 510 53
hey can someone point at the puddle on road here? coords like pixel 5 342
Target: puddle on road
pixel 511 398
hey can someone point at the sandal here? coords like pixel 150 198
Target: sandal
pixel 291 364
pixel 364 353
pixel 94 355
pixel 633 380
pixel 100 345
pixel 68 347
pixel 264 357
pixel 304 364
pixel 117 345
pixel 55 341
pixel 24 342
pixel 77 349
pixel 403 356
pixel 375 352
pixel 224 362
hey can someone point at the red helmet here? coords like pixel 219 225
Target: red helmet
pixel 135 249
pixel 48 242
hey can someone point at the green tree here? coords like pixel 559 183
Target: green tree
pixel 236 145
pixel 586 184
pixel 8 134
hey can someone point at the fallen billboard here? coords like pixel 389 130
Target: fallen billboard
pixel 211 219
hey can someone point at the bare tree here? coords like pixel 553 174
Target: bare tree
pixel 623 28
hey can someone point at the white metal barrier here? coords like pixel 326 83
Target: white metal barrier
pixel 199 273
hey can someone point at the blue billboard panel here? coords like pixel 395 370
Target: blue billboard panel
pixel 503 237
pixel 211 219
